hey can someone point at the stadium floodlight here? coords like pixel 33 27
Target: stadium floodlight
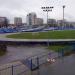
pixel 47 9
pixel 63 14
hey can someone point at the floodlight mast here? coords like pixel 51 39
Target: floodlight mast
pixel 47 9
pixel 63 14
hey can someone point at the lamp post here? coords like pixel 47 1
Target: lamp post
pixel 47 9
pixel 63 14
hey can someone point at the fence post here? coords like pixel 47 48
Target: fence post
pixel 58 53
pixel 31 64
pixel 62 52
pixel 12 69
pixel 38 62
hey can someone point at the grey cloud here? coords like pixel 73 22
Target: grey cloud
pixel 12 8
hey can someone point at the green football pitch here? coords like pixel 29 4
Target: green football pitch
pixel 64 34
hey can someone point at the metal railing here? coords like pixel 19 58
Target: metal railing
pixel 22 69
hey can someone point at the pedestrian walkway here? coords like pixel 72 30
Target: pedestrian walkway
pixel 29 64
pixel 62 66
pixel 13 68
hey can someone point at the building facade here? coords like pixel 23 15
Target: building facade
pixel 62 23
pixel 17 21
pixel 52 22
pixel 3 22
pixel 31 19
pixel 39 21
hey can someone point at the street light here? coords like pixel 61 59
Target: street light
pixel 63 14
pixel 47 9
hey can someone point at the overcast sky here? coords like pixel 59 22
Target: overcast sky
pixel 20 8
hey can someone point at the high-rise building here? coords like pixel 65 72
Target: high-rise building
pixel 31 19
pixel 17 21
pixel 3 22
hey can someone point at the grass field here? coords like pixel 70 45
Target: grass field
pixel 66 34
pixel 2 53
pixel 55 47
pixel 58 47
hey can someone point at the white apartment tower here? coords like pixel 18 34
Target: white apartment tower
pixel 31 19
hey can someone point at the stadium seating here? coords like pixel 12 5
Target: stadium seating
pixel 7 30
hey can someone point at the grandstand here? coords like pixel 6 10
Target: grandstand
pixel 7 30
pixel 33 29
pixel 27 29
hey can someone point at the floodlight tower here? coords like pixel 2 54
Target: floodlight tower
pixel 63 14
pixel 47 10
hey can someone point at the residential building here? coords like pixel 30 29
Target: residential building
pixel 52 22
pixel 31 19
pixel 39 21
pixel 62 23
pixel 3 22
pixel 17 21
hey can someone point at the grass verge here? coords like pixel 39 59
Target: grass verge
pixel 56 47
